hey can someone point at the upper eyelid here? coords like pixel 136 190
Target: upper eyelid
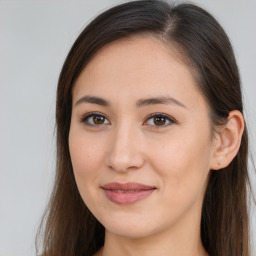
pixel 93 114
pixel 159 114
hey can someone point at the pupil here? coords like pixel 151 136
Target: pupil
pixel 98 119
pixel 159 120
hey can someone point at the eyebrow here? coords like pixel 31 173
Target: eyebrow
pixel 139 103
pixel 93 100
pixel 159 100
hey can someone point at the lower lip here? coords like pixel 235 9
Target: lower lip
pixel 126 198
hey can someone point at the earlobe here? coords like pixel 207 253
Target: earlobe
pixel 228 141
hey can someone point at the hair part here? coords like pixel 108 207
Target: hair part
pixel 205 47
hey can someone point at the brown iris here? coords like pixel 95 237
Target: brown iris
pixel 98 119
pixel 159 120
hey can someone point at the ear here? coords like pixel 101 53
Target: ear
pixel 228 140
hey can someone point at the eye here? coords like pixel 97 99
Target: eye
pixel 94 119
pixel 159 120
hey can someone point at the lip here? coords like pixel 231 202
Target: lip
pixel 127 193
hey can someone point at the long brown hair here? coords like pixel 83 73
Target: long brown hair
pixel 68 226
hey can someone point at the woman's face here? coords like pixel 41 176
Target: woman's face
pixel 140 139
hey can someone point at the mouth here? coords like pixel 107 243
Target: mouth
pixel 127 193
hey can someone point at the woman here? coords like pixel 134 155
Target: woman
pixel 151 139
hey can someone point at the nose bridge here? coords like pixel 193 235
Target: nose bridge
pixel 125 151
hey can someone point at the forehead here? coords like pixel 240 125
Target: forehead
pixel 136 54
pixel 137 67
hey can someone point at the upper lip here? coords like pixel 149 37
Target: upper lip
pixel 127 186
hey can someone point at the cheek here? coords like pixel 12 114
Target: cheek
pixel 183 162
pixel 183 170
pixel 86 158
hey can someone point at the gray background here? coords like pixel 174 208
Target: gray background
pixel 35 37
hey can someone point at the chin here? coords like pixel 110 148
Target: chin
pixel 131 227
pixel 134 232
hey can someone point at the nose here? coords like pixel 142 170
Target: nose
pixel 125 151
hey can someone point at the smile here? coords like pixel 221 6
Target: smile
pixel 127 193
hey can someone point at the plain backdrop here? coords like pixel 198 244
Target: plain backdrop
pixel 35 37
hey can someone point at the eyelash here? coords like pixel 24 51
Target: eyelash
pixel 85 118
pixel 167 118
pixel 171 120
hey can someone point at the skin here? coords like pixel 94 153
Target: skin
pixel 129 146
